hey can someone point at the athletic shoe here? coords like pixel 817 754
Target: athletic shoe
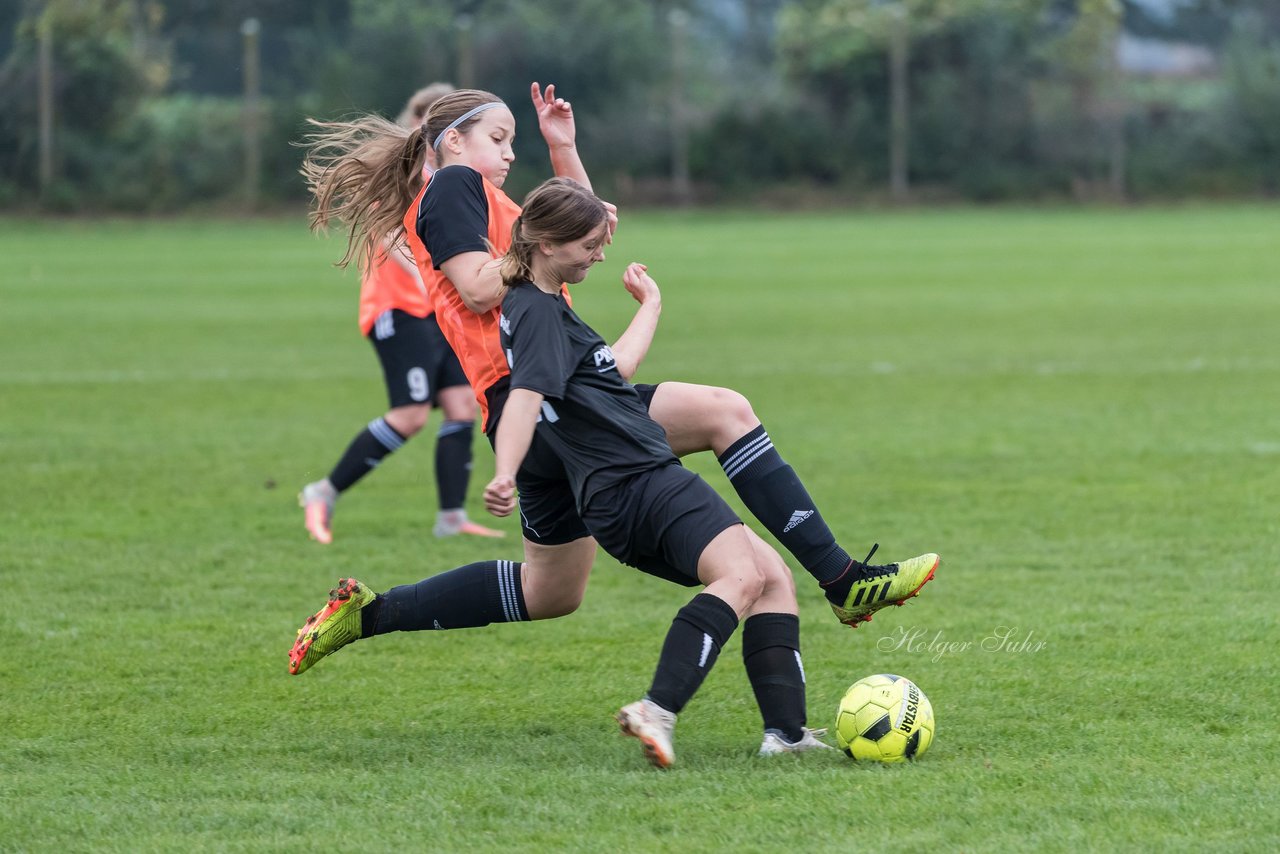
pixel 880 586
pixel 332 627
pixel 654 726
pixel 317 500
pixel 451 523
pixel 775 742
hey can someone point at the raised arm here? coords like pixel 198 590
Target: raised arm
pixel 515 432
pixel 555 120
pixel 633 345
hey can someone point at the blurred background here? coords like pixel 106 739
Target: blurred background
pixel 166 105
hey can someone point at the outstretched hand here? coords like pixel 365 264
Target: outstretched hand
pixel 639 284
pixel 500 495
pixel 555 116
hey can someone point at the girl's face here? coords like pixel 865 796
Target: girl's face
pixel 485 147
pixel 570 262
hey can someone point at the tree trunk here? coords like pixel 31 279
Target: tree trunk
pixel 45 108
pixel 899 116
pixel 250 30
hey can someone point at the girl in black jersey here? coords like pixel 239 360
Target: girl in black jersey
pixel 591 464
pixel 573 426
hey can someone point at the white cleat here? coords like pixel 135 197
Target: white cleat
pixel 654 726
pixel 775 743
pixel 451 523
pixel 317 500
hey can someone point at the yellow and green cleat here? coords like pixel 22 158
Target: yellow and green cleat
pixel 332 627
pixel 881 586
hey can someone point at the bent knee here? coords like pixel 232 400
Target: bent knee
pixel 561 604
pixel 458 404
pixel 778 578
pixel 551 595
pixel 734 415
pixel 408 420
pixel 754 581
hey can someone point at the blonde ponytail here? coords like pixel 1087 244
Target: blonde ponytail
pixel 364 173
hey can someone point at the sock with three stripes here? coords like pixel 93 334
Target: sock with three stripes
pixel 774 494
pixel 364 453
pixel 473 595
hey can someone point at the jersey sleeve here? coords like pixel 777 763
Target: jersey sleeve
pixel 534 340
pixel 454 216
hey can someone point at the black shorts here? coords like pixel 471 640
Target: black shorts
pixel 646 393
pixel 417 361
pixel 548 509
pixel 659 521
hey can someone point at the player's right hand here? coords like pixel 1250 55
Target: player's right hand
pixel 500 495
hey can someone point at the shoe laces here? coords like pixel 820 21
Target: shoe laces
pixel 868 571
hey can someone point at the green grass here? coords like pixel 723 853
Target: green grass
pixel 1077 409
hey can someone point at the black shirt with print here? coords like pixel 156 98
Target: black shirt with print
pixel 592 419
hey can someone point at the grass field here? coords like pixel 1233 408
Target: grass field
pixel 1080 410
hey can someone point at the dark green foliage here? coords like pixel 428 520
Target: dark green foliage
pixel 1005 100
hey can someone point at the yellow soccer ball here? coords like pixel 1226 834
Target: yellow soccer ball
pixel 884 718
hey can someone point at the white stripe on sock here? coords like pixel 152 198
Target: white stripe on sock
pixel 502 590
pixel 511 591
pixel 385 434
pixel 747 454
pixel 733 458
pixel 706 649
pixel 736 469
pixel 507 587
pixel 448 428
pixel 803 681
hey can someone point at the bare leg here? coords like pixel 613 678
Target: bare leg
pixel 701 418
pixel 409 420
pixel 698 418
pixel 555 577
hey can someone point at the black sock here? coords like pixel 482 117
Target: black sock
pixel 771 652
pixel 693 642
pixel 473 595
pixel 453 463
pixel 774 495
pixel 364 453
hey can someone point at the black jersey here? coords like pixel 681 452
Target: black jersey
pixel 456 206
pixel 592 419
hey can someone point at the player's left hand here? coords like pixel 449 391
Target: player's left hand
pixel 639 284
pixel 555 116
pixel 500 495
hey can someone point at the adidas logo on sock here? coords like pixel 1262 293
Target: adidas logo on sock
pixel 796 518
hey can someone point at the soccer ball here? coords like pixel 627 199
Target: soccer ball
pixel 884 718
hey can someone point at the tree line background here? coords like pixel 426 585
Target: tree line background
pixel 160 105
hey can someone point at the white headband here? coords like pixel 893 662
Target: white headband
pixel 462 118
